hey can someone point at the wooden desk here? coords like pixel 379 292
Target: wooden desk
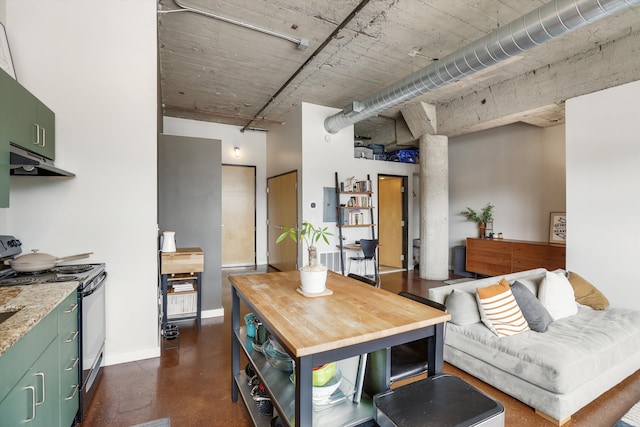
pixel 355 320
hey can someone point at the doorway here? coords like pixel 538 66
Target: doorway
pixel 238 216
pixel 282 209
pixel 392 222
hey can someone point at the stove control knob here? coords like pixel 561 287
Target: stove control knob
pixel 14 243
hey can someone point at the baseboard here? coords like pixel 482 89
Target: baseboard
pixel 133 356
pixel 216 312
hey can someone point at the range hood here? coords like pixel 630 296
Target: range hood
pixel 26 163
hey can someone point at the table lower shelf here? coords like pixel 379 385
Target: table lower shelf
pixel 282 393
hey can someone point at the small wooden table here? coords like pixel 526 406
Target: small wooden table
pixel 357 319
pixel 182 265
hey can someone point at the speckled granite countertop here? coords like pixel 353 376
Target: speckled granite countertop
pixel 34 302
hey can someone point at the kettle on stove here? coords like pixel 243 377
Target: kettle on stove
pixel 168 241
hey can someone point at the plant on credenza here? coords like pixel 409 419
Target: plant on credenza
pixel 311 234
pixel 483 218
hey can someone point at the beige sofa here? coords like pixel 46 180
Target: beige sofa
pixel 557 372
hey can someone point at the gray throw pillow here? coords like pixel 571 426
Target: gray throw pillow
pixel 532 309
pixel 462 307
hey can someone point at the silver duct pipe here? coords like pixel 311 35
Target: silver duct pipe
pixel 550 21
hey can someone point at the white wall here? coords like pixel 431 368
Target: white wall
pixel 3 11
pixel 603 155
pixel 303 144
pixel 253 146
pixel 519 168
pixel 93 63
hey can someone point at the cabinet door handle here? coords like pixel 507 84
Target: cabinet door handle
pixel 73 364
pixel 44 137
pixel 44 397
pixel 75 390
pixel 72 337
pixel 33 403
pixel 37 141
pixel 73 307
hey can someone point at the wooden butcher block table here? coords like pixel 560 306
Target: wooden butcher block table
pixel 356 319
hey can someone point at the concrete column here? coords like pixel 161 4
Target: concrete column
pixel 434 207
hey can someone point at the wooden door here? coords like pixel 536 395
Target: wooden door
pixel 238 216
pixel 391 220
pixel 282 209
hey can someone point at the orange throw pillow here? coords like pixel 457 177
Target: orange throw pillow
pixel 500 311
pixel 586 293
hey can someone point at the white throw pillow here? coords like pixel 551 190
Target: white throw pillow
pixel 556 295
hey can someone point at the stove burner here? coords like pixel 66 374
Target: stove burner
pixel 69 269
pixel 63 279
pixel 18 281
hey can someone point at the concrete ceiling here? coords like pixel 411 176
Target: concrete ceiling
pixel 212 70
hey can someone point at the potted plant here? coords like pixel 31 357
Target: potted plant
pixel 485 217
pixel 313 277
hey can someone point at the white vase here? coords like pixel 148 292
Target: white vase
pixel 313 281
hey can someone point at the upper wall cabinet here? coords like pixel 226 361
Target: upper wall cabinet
pixel 26 121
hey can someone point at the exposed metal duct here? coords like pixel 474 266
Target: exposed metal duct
pixel 550 21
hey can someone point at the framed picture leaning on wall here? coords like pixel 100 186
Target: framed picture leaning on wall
pixel 6 63
pixel 558 228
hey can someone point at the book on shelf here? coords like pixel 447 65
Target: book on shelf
pixel 356 187
pixel 358 202
pixel 182 287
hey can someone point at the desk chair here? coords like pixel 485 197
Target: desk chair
pixel 368 247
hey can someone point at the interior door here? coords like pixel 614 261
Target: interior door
pixel 282 209
pixel 391 221
pixel 238 216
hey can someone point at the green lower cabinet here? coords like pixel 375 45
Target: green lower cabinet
pixel 34 401
pixel 69 337
pixel 40 374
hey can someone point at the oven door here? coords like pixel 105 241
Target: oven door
pixel 93 335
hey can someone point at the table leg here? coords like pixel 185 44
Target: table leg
pixel 435 351
pixel 199 302
pixel 304 395
pixel 235 345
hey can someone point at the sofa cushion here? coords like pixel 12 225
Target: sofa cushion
pixel 462 307
pixel 532 309
pixel 499 310
pixel 570 353
pixel 586 293
pixel 556 294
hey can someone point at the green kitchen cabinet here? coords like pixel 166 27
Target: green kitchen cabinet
pixel 34 400
pixel 29 123
pixel 5 120
pixel 40 373
pixel 68 338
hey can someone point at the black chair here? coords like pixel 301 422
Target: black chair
pixel 368 247
pixel 408 360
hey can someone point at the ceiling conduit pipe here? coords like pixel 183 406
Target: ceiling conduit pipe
pixel 548 22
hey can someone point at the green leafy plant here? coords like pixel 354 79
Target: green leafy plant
pixel 485 216
pixel 310 234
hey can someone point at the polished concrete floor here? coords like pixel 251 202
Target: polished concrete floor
pixel 191 384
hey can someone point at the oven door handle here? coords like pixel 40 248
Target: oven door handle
pixel 99 282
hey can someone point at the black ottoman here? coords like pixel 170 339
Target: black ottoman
pixel 443 400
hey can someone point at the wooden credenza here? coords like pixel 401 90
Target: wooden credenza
pixel 495 257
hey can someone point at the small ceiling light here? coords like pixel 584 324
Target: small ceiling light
pixel 236 150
